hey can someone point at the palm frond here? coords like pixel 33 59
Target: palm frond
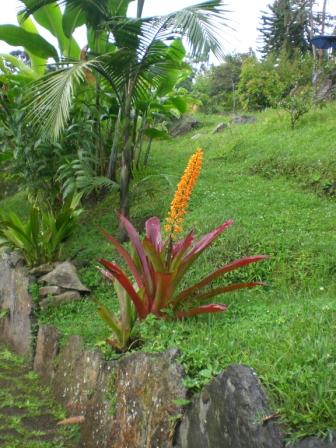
pixel 50 99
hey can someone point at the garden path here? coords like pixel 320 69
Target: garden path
pixel 28 414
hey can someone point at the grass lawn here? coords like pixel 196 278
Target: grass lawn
pixel 277 186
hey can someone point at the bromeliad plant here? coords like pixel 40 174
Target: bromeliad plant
pixel 158 266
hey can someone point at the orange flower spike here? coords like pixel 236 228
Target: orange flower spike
pixel 184 189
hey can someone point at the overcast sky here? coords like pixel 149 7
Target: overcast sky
pixel 244 17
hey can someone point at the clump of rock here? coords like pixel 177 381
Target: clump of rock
pixel 60 284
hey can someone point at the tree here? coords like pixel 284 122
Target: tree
pixel 260 85
pixel 286 26
pixel 140 58
pixel 217 87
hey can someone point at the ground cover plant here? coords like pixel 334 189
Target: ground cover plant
pixel 285 332
pixel 28 415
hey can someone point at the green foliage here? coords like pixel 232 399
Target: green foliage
pixel 216 87
pixel 34 43
pixel 260 85
pixel 39 238
pixel 297 104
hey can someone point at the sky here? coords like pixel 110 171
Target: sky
pixel 244 18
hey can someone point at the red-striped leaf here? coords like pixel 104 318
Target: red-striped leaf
pixel 126 256
pixel 163 293
pixel 156 258
pixel 224 289
pixel 135 240
pixel 181 246
pixel 207 239
pixel 212 308
pixel 223 270
pixel 153 232
pixel 121 277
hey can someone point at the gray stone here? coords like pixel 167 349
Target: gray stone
pixel 60 299
pixel 147 389
pixel 49 290
pixel 220 128
pixel 100 410
pixel 314 442
pixel 184 125
pixel 76 375
pixel 243 119
pixel 47 347
pixel 16 323
pixel 43 269
pixel 228 413
pixel 65 276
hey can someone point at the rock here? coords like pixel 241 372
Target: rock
pixel 220 128
pixel 184 125
pixel 314 442
pixel 49 290
pixel 47 347
pixel 76 375
pixel 243 119
pixel 228 414
pixel 196 137
pixel 15 259
pixel 60 299
pixel 16 323
pixel 100 410
pixel 43 269
pixel 65 276
pixel 146 390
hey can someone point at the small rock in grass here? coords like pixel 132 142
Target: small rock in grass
pixel 220 128
pixel 60 299
pixel 49 290
pixel 64 276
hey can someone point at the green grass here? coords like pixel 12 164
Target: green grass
pixel 273 182
pixel 25 406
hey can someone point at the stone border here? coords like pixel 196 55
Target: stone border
pixel 137 401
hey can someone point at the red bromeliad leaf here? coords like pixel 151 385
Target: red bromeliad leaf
pixel 223 270
pixel 224 289
pixel 212 308
pixel 153 232
pixel 126 256
pixel 121 277
pixel 135 240
pixel 198 248
pixel 207 239
pixel 181 246
pixel 156 258
pixel 163 291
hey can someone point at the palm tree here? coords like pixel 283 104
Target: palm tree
pixel 138 61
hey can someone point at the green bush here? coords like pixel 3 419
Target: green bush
pixel 260 85
pixel 39 239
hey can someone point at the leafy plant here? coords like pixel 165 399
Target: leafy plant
pixel 39 238
pixel 158 268
pixel 297 105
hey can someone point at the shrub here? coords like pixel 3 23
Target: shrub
pixel 39 239
pixel 297 105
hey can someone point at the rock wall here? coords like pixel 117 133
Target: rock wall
pixel 135 402
pixel 16 305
